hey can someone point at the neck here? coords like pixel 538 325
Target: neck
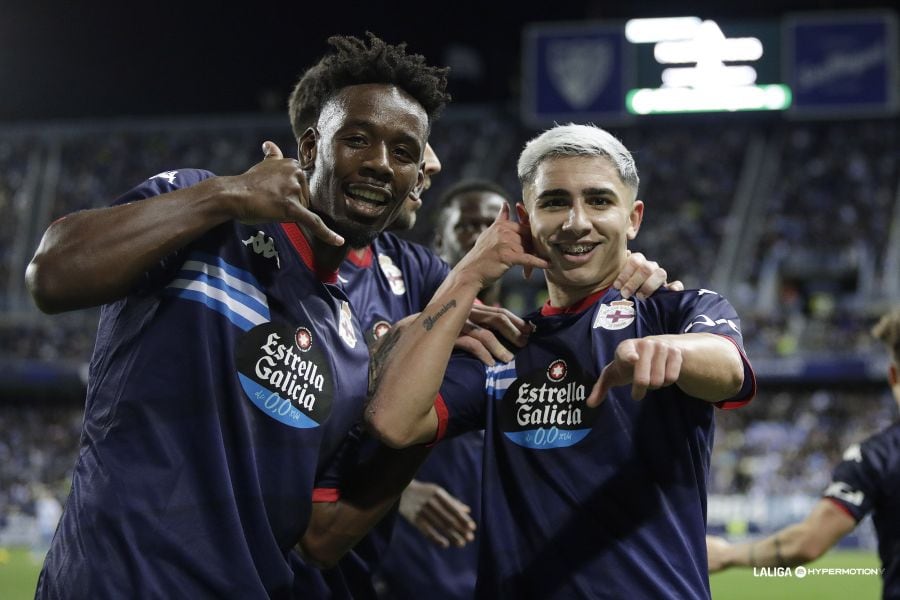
pixel 359 252
pixel 562 295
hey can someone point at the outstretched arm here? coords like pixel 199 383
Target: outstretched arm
pixel 703 365
pixel 401 410
pixel 96 256
pixel 794 545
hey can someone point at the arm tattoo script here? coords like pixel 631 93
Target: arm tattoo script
pixel 429 322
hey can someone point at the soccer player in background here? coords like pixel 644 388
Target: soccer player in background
pixel 229 366
pixel 589 490
pixel 866 481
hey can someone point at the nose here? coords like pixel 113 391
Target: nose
pixel 432 163
pixel 377 163
pixel 577 221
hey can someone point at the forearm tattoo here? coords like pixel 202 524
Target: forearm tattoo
pixel 380 354
pixel 430 321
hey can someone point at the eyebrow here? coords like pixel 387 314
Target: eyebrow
pixel 591 191
pixel 366 124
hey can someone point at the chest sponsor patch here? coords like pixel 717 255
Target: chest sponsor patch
pixel 616 315
pixel 285 374
pixel 393 273
pixel 546 408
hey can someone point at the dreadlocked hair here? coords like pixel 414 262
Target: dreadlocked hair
pixel 358 62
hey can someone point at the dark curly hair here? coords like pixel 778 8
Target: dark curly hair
pixel 471 185
pixel 358 62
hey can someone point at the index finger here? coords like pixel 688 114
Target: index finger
pixel 316 226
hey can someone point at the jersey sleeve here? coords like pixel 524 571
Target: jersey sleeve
pixel 461 404
pixel 855 481
pixel 434 271
pixel 327 487
pixel 162 183
pixel 706 311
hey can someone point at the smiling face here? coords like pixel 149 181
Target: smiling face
pixel 364 158
pixel 582 216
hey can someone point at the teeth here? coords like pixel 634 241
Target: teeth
pixel 577 248
pixel 366 194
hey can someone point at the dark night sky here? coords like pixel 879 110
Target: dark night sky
pixel 62 60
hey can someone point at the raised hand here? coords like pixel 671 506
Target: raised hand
pixel 276 190
pixel 498 248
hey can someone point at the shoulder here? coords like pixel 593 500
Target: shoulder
pixel 391 243
pixel 165 182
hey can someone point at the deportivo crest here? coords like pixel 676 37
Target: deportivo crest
pixel 345 325
pixel 616 315
pixel 263 244
pixel 546 408
pixel 393 273
pixel 285 375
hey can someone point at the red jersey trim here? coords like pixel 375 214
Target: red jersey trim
pixel 326 495
pixel 581 305
pixel 443 417
pixel 732 404
pixel 841 506
pixel 364 261
pixel 301 245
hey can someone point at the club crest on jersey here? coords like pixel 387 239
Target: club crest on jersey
pixel 345 325
pixel 546 408
pixel 303 339
pixel 393 273
pixel 284 375
pixel 263 244
pixel 616 315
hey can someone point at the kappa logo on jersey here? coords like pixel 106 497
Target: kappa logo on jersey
pixel 167 175
pixel 854 453
pixel 263 244
pixel 544 409
pixel 842 491
pixel 285 375
pixel 616 315
pixel 393 273
pixel 345 325
pixel 705 321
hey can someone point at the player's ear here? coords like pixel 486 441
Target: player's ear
pixel 634 219
pixel 307 148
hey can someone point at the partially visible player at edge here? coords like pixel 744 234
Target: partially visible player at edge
pixel 589 490
pixel 229 366
pixel 866 481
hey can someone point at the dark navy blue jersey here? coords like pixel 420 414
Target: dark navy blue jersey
pixel 219 391
pixel 395 278
pixel 868 481
pixel 414 567
pixel 578 502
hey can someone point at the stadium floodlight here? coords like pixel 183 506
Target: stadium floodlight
pixel 713 76
pixel 684 99
pixel 646 31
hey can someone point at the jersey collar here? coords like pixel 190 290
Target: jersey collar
pixel 581 305
pixel 301 245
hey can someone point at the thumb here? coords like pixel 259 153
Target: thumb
pixel 527 242
pixel 503 215
pixel 271 150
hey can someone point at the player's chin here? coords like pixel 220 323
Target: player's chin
pixel 357 235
